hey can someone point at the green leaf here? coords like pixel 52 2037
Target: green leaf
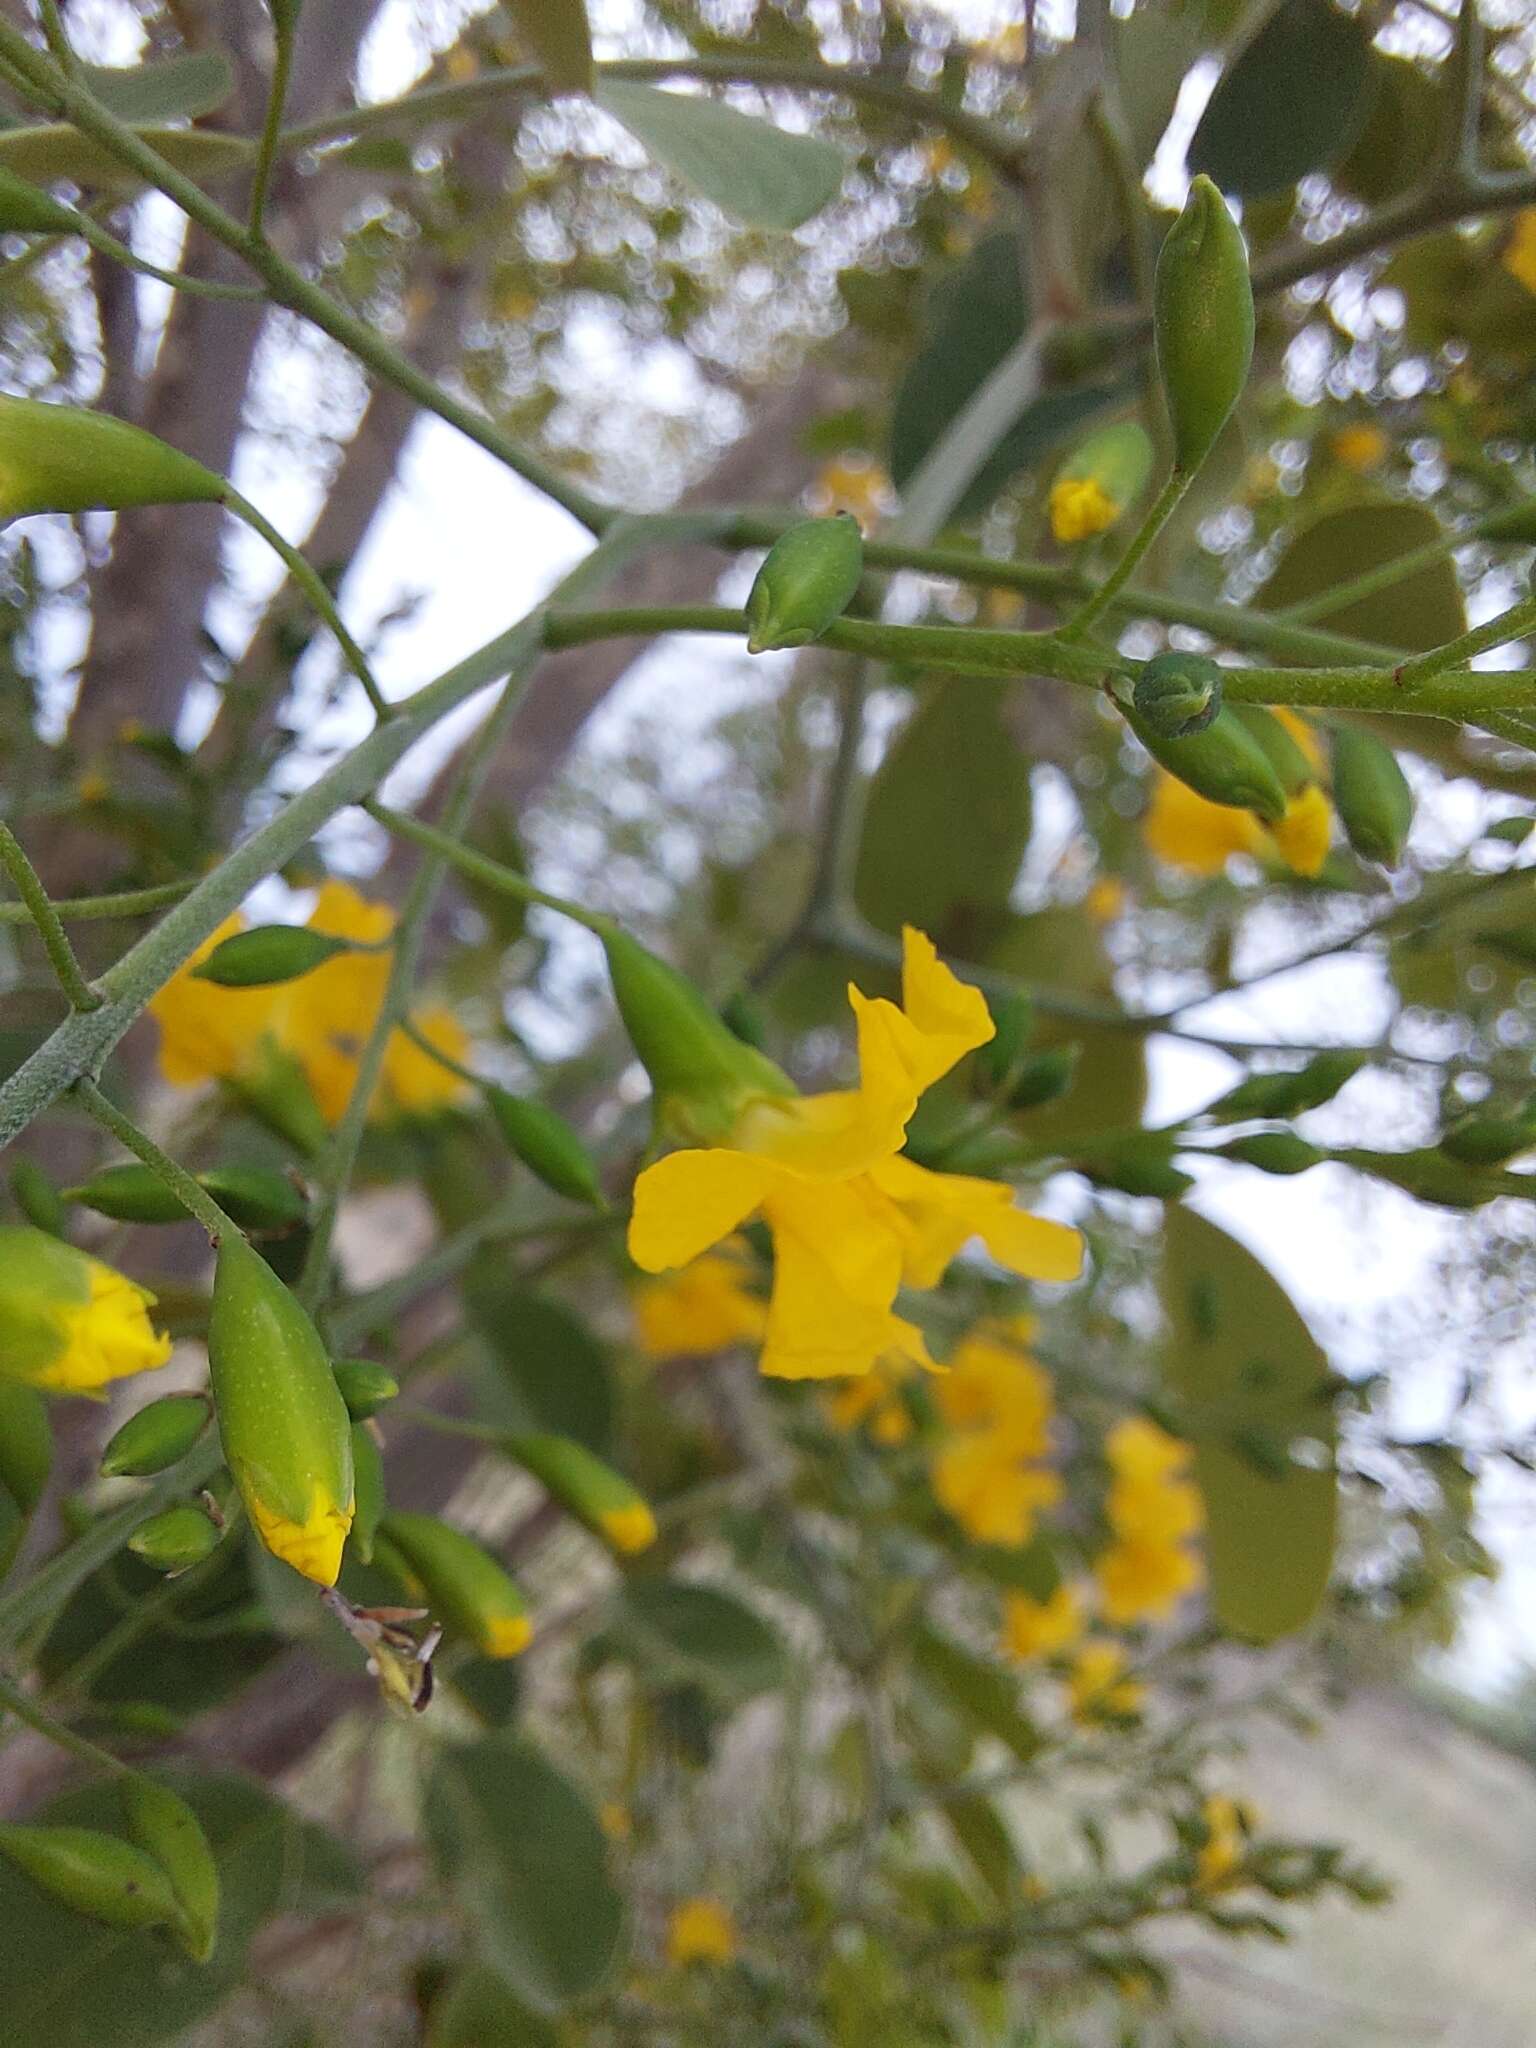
pixel 46 154
pixel 174 89
pixel 556 32
pixel 524 1855
pixel 1293 102
pixel 1254 1383
pixel 949 813
pixel 550 1372
pixel 984 1693
pixel 476 2010
pixel 1153 50
pixel 72 1983
pixel 678 1634
pixel 1409 109
pixel 1424 610
pixel 755 172
pixel 976 315
pixel 977 1826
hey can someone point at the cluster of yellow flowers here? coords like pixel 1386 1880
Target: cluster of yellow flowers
pixel 1186 830
pixel 258 1039
pixel 700 1930
pixel 1154 1510
pixel 990 1475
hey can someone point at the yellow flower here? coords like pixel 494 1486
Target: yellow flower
pixel 700 1931
pixel 411 1081
pixel 1144 1581
pixel 69 1323
pixel 1228 1824
pixel 1098 1688
pixel 703 1309
pixel 1185 830
pixel 1360 448
pixel 1105 899
pixel 1519 257
pixel 1302 835
pixel 851 1222
pixel 1136 1448
pixel 1080 508
pixel 853 483
pixel 875 1402
pixel 629 1529
pixel 1153 1509
pixel 991 1386
pixel 985 1484
pixel 1043 1628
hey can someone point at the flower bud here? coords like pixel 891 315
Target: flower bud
pixel 593 1492
pixel 266 954
pixel 286 1433
pixel 1141 1166
pixel 175 1539
pixel 1274 1152
pixel 1099 481
pixel 129 1193
pixel 1222 762
pixel 1178 694
pixel 37 1198
pixel 463 1584
pixel 158 1437
pixel 1005 1052
pixel 807 580
pixel 1202 322
pixel 93 1872
pixel 546 1145
pixel 1370 794
pixel 165 1827
pixel 365 1386
pixel 367 1493
pixel 255 1197
pixel 1491 1140
pixel 62 458
pixel 1288 1094
pixel 1045 1078
pixel 702 1074
pixel 1280 746
pixel 68 1323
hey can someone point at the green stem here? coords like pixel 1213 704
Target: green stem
pixel 176 1178
pixel 1384 576
pixel 51 16
pixel 272 126
pixel 41 1722
pixel 1510 625
pixel 85 909
pixel 481 868
pixel 39 908
pixel 1158 515
pixel 314 589
pixel 195 287
pixel 443 1059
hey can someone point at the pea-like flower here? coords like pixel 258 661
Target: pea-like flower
pixel 68 1322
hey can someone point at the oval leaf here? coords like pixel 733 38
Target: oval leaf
pixel 175 89
pixel 1293 102
pixel 753 171
pixel 1424 610
pixel 550 1372
pixel 681 1634
pixel 56 150
pixel 556 32
pixel 1254 1381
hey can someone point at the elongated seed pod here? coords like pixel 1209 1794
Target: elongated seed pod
pixel 807 580
pixel 1202 322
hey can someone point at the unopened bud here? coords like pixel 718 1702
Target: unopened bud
pixel 159 1436
pixel 546 1145
pixel 1202 322
pixel 807 580
pixel 1177 694
pixel 63 458
pixel 175 1539
pixel 1099 481
pixel 266 954
pixel 463 1584
pixel 1371 795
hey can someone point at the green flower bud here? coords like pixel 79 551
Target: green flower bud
pixel 1288 1094
pixel 158 1437
pixel 546 1145
pixel 1222 762
pixel 807 580
pixel 703 1075
pixel 61 458
pixel 165 1827
pixel 94 1873
pixel 268 953
pixel 27 210
pixel 286 1432
pixel 1491 1140
pixel 1202 322
pixel 1102 477
pixel 1274 1152
pixel 365 1386
pixel 129 1193
pixel 593 1492
pixel 37 1198
pixel 1140 1166
pixel 1370 794
pixel 255 1197
pixel 175 1539
pixel 277 1093
pixel 69 1323
pixel 368 1492
pixel 744 1018
pixel 1005 1051
pixel 1045 1078
pixel 1178 694
pixel 1279 746
pixel 463 1584
pixel 1429 1176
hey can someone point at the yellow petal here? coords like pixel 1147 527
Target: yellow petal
pixel 1187 831
pixel 690 1200
pixel 704 1308
pixel 950 1017
pixel 107 1337
pixel 837 1266
pixel 944 1211
pixel 1302 835
pixel 313 1546
pixel 1080 508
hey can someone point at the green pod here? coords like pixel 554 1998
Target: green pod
pixel 62 458
pixel 1370 794
pixel 702 1073
pixel 1177 694
pixel 1491 1140
pixel 157 1437
pixel 365 1386
pixel 129 1193
pixel 287 1436
pixel 1274 1152
pixel 1045 1077
pixel 1140 1166
pixel 94 1873
pixel 25 209
pixel 256 1197
pixel 465 1587
pixel 1202 322
pixel 1223 762
pixel 1279 747
pixel 546 1145
pixel 592 1491
pixel 368 1493
pixel 163 1825
pixel 807 580
pixel 175 1539
pixel 1288 1094
pixel 267 954
pixel 37 1198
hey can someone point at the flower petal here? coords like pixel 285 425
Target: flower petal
pixel 690 1200
pixel 837 1266
pixel 949 1016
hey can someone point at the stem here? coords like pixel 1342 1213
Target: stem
pixel 195 287
pixel 176 1178
pixel 482 869
pixel 50 15
pixel 41 1722
pixel 85 909
pixel 314 589
pixel 1383 577
pixel 35 900
pixel 271 129
pixel 1158 515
